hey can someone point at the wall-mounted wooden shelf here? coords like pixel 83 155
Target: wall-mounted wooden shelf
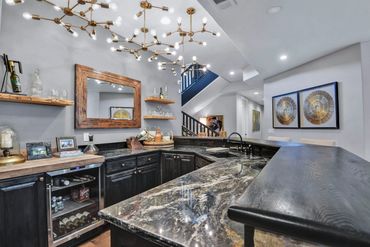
pixel 159 100
pixel 23 99
pixel 159 118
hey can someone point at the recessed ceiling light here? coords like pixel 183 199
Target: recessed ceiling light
pixel 274 10
pixel 283 57
pixel 256 93
pixel 165 20
pixel 232 73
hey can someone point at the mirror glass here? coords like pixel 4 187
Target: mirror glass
pixel 107 100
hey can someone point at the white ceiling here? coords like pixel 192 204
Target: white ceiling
pixel 303 30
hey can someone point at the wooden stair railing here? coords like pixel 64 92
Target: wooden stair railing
pixel 192 127
pixel 190 76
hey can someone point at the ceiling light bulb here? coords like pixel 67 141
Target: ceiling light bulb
pixel 171 10
pixel 75 34
pixel 112 49
pixel 113 6
pixel 173 53
pixel 164 35
pixel 165 20
pixel 118 21
pixel 167 49
pixel 274 10
pixel 135 17
pixel 120 89
pixel 204 43
pixel 180 58
pixel 57 8
pixel 150 59
pixel 138 58
pixel 127 39
pixel 153 32
pixel 136 31
pixel 194 58
pixel 256 93
pixel 13 2
pixel 232 73
pixel 208 66
pixel 283 57
pixel 27 16
pixel 204 20
pixel 179 20
pixel 109 40
pixel 177 45
pixel 204 69
pixel 95 6
pixel 218 34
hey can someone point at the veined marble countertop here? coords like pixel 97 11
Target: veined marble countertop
pixel 190 210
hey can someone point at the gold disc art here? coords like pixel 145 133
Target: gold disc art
pixel 286 110
pixel 318 107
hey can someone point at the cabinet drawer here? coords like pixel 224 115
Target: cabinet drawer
pixel 120 165
pixel 148 159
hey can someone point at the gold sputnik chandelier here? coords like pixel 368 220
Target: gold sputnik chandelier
pixel 85 12
pixel 147 42
pixel 188 36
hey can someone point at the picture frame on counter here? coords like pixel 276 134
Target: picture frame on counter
pixel 38 150
pixel 285 111
pixel 319 107
pixel 66 143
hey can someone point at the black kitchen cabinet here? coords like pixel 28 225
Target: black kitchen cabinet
pixel 143 174
pixel 23 221
pixel 176 165
pixel 119 187
pixel 187 163
pixel 148 177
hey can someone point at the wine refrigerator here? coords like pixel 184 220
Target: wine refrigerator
pixel 74 198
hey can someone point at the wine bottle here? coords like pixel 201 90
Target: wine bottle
pixel 161 96
pixel 14 79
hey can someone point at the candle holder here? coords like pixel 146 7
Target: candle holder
pixel 10 147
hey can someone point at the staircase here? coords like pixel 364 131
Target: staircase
pixel 194 80
pixel 192 127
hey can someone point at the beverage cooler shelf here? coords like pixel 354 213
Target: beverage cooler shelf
pixel 72 184
pixel 71 206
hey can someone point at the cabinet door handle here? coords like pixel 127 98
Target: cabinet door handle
pixel 123 164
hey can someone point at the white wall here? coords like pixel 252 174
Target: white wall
pixel 365 58
pixel 224 105
pixel 47 46
pixel 244 113
pixel 343 66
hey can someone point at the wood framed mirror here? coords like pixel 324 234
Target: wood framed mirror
pixel 105 100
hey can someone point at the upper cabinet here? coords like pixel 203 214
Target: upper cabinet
pixel 105 100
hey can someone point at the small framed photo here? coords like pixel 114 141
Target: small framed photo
pixel 121 113
pixel 66 143
pixel 38 150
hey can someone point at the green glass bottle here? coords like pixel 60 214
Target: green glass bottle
pixel 14 79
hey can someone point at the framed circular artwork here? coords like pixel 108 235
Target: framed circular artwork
pixel 319 107
pixel 285 111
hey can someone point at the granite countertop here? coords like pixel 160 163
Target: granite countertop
pixel 315 193
pixel 190 210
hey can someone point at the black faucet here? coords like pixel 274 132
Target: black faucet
pixel 240 142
